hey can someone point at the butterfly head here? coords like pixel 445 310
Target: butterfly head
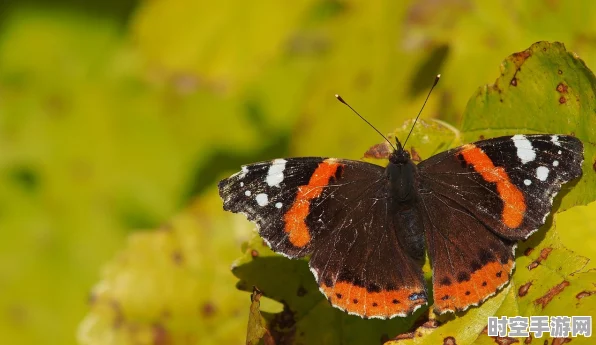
pixel 399 155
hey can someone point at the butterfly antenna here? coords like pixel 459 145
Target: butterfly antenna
pixel 365 120
pixel 427 96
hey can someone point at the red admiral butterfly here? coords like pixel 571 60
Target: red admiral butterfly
pixel 366 227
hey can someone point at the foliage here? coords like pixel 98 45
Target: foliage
pixel 119 116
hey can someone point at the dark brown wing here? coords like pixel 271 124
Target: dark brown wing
pixel 478 199
pixel 470 262
pixel 508 183
pixel 337 210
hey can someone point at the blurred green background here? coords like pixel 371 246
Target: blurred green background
pixel 117 118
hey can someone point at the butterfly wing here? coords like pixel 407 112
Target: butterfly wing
pixel 519 176
pixel 361 265
pixel 478 199
pixel 336 210
pixel 469 262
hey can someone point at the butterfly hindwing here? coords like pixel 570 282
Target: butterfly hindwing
pixel 361 264
pixel 469 262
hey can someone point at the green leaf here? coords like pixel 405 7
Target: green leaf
pixel 166 287
pixel 256 324
pixel 544 89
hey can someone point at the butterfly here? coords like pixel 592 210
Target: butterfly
pixel 367 227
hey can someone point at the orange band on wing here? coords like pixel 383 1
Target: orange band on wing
pixel 359 300
pixel 514 205
pixel 482 283
pixel 295 218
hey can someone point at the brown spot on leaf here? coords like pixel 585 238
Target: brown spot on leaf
pixel 177 257
pixel 523 290
pixel 208 309
pixel 594 165
pixel 528 339
pixel 301 291
pixel 520 57
pixel 379 151
pixel 562 87
pixel 415 155
pixel 561 341
pixel 544 300
pixel 544 253
pixel 528 251
pixel 560 72
pixel 514 81
pixel 584 294
pixel 431 324
pixel 254 253
pixel 505 340
pixel 481 137
pixel 562 100
pixel 409 335
pixel 449 341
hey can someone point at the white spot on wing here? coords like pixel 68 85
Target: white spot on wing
pixel 243 172
pixel 525 151
pixel 542 173
pixel 555 140
pixel 278 204
pixel 241 184
pixel 527 182
pixel 276 172
pixel 262 199
pixel 559 152
pixel 556 163
pixel 247 193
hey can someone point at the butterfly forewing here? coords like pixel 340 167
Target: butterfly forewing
pixel 508 183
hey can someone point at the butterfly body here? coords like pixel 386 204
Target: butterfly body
pixel 367 227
